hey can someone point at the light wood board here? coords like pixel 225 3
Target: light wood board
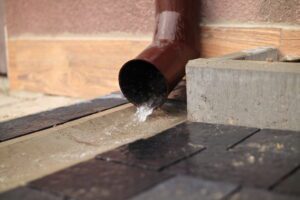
pixel 89 68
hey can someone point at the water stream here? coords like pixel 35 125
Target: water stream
pixel 142 112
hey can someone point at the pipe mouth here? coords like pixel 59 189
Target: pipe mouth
pixel 142 83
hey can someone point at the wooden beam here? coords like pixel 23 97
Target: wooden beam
pixel 78 68
pixel 290 42
pixel 89 68
pixel 218 41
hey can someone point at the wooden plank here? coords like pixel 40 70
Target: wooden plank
pixel 218 41
pixel 290 42
pixel 88 68
pixel 75 68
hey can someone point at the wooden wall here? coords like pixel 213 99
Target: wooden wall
pixel 89 68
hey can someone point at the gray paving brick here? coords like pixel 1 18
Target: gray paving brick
pixel 291 185
pixel 156 152
pixel 25 193
pixel 176 144
pixel 216 136
pixel 99 180
pixel 250 194
pixel 75 111
pixel 260 161
pixel 188 188
pixel 31 123
pixel 24 125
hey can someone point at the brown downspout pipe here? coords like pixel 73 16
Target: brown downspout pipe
pixel 152 75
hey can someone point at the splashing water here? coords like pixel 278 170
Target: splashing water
pixel 142 112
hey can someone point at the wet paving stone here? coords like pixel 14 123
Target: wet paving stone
pixel 188 188
pixel 291 185
pixel 259 161
pixel 216 136
pixel 39 121
pixel 250 194
pixel 99 180
pixel 25 193
pixel 176 144
pixel 156 152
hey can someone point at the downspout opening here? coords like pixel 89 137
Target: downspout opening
pixel 142 83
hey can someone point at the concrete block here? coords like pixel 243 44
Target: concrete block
pixel 248 93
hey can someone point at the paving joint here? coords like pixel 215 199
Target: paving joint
pixel 283 178
pixel 182 159
pixel 242 140
pixel 64 197
pixel 235 191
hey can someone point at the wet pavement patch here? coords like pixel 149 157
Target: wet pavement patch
pixel 157 152
pixel 188 188
pixel 176 144
pixel 216 137
pixel 25 193
pixel 40 121
pixel 99 180
pixel 260 161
